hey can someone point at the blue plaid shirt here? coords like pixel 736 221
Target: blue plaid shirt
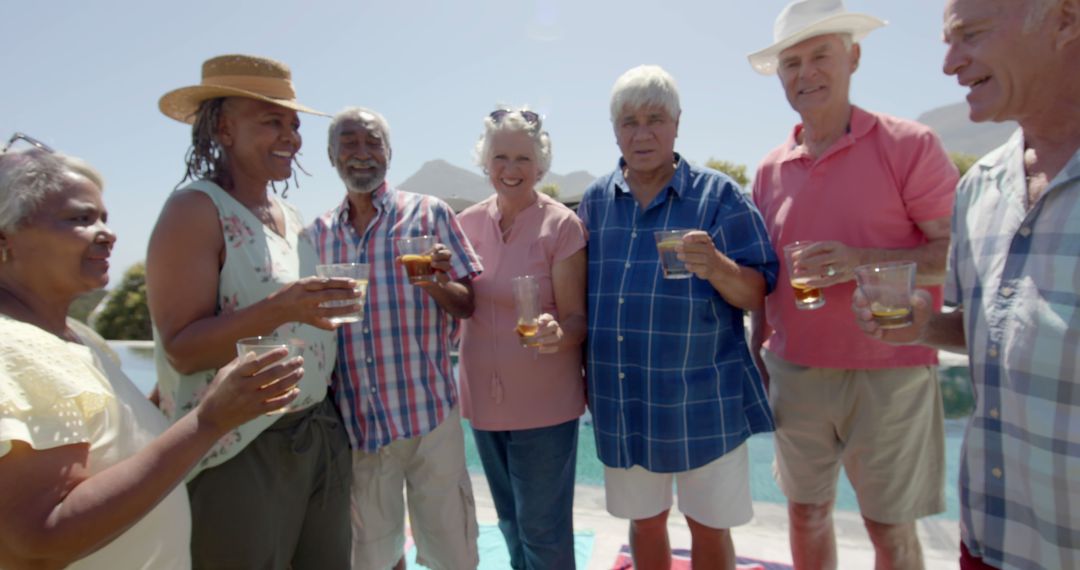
pixel 671 382
pixel 1017 274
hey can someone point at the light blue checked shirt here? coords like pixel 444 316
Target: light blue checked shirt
pixel 1017 275
pixel 671 382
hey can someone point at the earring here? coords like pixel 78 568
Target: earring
pixel 3 255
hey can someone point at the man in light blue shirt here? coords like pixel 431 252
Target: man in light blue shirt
pixel 1015 272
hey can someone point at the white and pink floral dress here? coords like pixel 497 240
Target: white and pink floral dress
pixel 258 262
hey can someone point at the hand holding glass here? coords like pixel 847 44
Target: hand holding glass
pixel 888 287
pixel 806 297
pixel 415 254
pixel 358 272
pixel 527 300
pixel 260 345
pixel 666 242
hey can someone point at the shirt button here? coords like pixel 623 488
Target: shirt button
pixel 1025 231
pixel 369 360
pixel 633 235
pixel 1007 291
pixel 620 300
pixel 996 472
pixel 620 338
pixel 622 375
pixel 374 390
pixel 367 330
pixel 994 413
pixel 992 352
pixel 627 265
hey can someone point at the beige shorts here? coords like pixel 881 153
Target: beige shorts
pixel 886 426
pixel 442 513
pixel 716 494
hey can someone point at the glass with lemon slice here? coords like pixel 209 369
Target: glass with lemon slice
pixel 888 287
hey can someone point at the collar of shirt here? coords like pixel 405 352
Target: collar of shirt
pixel 861 124
pixel 678 184
pixel 380 197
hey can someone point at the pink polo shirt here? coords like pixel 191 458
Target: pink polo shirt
pixel 505 386
pixel 869 190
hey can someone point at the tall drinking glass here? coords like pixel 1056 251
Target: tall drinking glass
pixel 527 300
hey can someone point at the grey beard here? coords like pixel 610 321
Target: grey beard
pixel 364 186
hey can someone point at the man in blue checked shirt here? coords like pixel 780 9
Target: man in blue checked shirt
pixel 673 390
pixel 1014 270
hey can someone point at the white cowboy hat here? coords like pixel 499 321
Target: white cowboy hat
pixel 804 19
pixel 235 76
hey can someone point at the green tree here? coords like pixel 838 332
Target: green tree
pixel 551 189
pixel 737 172
pixel 126 315
pixel 963 161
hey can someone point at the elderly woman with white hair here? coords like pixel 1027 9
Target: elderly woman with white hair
pixel 524 398
pixel 91 471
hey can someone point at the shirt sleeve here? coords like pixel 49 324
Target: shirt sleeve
pixel 929 185
pixel 48 398
pixel 570 237
pixel 463 261
pixel 739 233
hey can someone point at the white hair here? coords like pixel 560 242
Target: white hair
pixel 28 176
pixel 644 86
pixel 366 116
pixel 514 121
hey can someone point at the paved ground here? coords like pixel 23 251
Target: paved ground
pixel 764 538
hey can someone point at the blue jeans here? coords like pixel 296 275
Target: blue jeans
pixel 531 476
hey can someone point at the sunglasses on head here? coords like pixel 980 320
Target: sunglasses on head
pixel 530 117
pixel 28 140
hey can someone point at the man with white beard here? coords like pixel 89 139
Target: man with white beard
pixel 393 381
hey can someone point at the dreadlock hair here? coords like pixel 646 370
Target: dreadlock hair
pixel 205 159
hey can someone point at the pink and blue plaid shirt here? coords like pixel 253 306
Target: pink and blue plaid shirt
pixel 394 379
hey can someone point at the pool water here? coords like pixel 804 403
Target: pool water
pixel 138 363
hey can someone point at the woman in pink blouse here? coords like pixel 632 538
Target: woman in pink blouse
pixel 524 401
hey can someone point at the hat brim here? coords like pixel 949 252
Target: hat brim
pixel 182 104
pixel 858 25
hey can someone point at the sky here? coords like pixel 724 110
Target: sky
pixel 85 77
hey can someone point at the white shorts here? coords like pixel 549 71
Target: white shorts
pixel 442 511
pixel 716 495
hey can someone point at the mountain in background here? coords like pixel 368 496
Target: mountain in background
pixel 462 188
pixel 960 134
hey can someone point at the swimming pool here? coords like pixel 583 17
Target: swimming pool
pixel 137 360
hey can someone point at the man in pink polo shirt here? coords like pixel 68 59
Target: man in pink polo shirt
pixel 862 188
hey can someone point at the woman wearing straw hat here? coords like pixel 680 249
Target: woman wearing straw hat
pixel 227 260
pixel 91 472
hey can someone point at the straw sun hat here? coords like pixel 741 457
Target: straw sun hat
pixel 804 19
pixel 235 76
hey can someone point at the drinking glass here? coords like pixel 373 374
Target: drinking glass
pixel 666 241
pixel 527 300
pixel 415 255
pixel 806 297
pixel 888 287
pixel 358 272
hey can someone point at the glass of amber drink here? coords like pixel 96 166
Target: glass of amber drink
pixel 415 254
pixel 888 287
pixel 527 300
pixel 806 297
pixel 666 242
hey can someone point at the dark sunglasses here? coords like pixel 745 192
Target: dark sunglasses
pixel 530 117
pixel 27 139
